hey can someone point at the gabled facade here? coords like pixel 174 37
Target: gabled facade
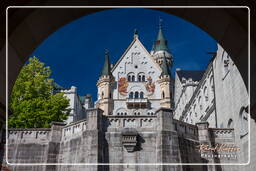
pixel 138 84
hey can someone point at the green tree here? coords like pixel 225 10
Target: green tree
pixel 33 103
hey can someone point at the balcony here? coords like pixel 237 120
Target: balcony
pixel 137 102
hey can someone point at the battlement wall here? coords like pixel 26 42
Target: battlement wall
pixel 39 135
pixel 139 122
pixel 73 130
pixel 186 130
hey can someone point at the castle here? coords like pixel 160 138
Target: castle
pixel 145 119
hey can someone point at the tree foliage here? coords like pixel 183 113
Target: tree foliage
pixel 33 103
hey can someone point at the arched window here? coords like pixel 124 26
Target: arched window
pixel 163 95
pixel 129 78
pixel 206 93
pixel 195 110
pixel 139 78
pixel 243 117
pixel 230 123
pixel 143 78
pixel 136 95
pixel 131 95
pixel 200 103
pixel 133 78
pixel 141 95
pixel 102 95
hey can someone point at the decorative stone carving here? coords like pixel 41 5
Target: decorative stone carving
pixel 129 139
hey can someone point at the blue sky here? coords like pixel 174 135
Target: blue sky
pixel 75 52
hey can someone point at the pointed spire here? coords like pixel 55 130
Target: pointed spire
pixel 165 67
pixel 135 35
pixel 161 43
pixel 106 70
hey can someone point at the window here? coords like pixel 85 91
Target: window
pixel 139 78
pixel 143 78
pixel 136 96
pixel 102 95
pixel 131 95
pixel 200 103
pixel 195 110
pixel 206 93
pixel 163 96
pixel 133 78
pixel 141 95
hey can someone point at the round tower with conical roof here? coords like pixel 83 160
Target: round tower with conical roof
pixel 166 85
pixel 160 48
pixel 105 86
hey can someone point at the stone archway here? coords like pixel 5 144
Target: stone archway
pixel 228 26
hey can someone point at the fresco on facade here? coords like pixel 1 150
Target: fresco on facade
pixel 150 85
pixel 122 86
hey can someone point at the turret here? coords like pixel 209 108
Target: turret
pixel 105 85
pixel 165 82
pixel 160 48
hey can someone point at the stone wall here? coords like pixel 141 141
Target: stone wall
pixel 94 140
pixel 76 143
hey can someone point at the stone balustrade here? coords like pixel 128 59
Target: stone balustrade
pixel 73 129
pixel 27 135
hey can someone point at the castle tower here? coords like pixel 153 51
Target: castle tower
pixel 160 48
pixel 104 85
pixel 165 82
